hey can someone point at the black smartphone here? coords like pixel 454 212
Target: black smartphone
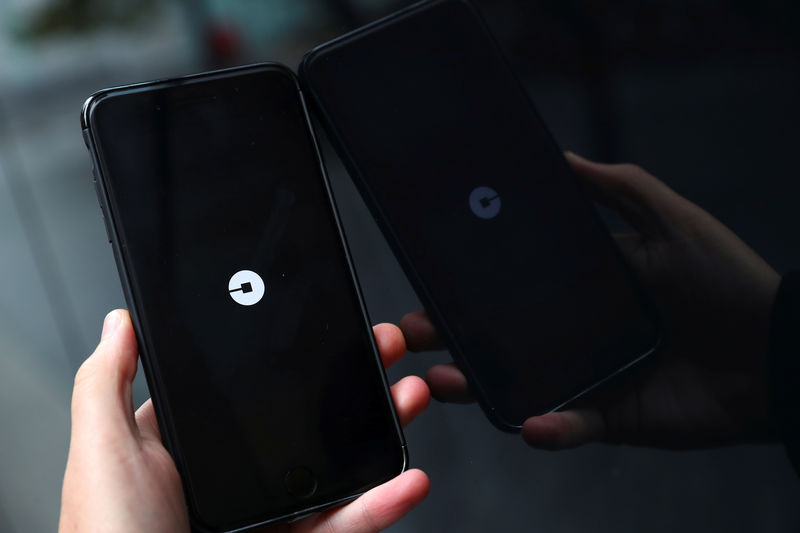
pixel 264 372
pixel 504 249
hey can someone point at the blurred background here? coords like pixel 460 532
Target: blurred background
pixel 702 93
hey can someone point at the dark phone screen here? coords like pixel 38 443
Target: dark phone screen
pixel 205 179
pixel 480 203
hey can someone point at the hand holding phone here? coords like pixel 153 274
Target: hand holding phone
pixel 708 386
pixel 120 477
pixel 264 372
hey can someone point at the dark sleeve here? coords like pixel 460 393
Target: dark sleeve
pixel 784 364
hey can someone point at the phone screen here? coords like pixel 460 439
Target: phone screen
pixel 495 232
pixel 260 349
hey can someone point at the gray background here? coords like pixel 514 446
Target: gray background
pixel 702 94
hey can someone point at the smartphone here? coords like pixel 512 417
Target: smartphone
pixel 506 252
pixel 264 372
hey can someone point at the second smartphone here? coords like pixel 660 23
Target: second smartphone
pixel 265 377
pixel 504 249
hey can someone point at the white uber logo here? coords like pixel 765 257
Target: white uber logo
pixel 246 287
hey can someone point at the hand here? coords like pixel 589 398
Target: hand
pixel 708 386
pixel 120 478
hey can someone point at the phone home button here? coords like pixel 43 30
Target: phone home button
pixel 300 482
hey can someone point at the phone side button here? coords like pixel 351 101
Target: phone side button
pixel 105 222
pixel 300 483
pixel 96 186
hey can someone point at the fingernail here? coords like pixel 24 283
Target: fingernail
pixel 110 324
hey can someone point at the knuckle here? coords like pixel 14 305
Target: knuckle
pixel 633 170
pixel 84 374
pixel 631 180
pixel 369 520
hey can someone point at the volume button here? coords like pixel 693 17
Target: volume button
pixel 94 173
pixel 102 203
pixel 97 192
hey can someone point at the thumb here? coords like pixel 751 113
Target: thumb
pixel 641 199
pixel 101 398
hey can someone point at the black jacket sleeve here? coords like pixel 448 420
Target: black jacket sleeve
pixel 784 364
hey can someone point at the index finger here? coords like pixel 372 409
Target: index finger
pixel 420 332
